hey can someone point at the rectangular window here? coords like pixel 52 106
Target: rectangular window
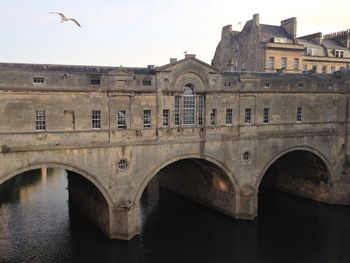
pixel 38 80
pixel 228 84
pixel 330 113
pixel 339 53
pixel 95 80
pixel 147 82
pixel 324 69
pixel 266 117
pixel 177 111
pixel 40 120
pixel 300 85
pixel 96 119
pixel 247 116
pixel 200 110
pixel 146 118
pixel 332 69
pixel 189 110
pixel 165 118
pixel 267 85
pixel 305 68
pixel 299 117
pixel 271 63
pixel 121 119
pixel 229 117
pixel 283 63
pixel 213 117
pixel 296 64
pixel 310 52
pixel 314 68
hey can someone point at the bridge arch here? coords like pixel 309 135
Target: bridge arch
pixel 309 177
pixel 64 166
pixel 229 175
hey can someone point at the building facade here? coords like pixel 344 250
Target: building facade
pixel 214 137
pixel 268 48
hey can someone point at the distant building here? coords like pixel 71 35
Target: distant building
pixel 268 48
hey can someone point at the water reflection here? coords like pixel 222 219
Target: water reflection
pixel 38 224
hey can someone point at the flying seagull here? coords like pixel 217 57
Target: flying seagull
pixel 64 18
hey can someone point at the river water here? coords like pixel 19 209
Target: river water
pixel 38 224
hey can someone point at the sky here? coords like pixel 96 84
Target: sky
pixel 137 33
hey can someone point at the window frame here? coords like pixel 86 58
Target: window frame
pixel 96 119
pixel 40 120
pixel 147 118
pixel 121 119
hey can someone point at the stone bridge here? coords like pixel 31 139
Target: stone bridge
pixel 214 137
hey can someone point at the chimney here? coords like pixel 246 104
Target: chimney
pixel 173 60
pixel 190 56
pixel 150 66
pixel 256 19
pixel 290 25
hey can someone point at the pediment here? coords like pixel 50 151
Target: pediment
pixel 187 62
pixel 121 72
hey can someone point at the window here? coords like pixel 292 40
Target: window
pixel 324 69
pixel 271 63
pixel 229 117
pixel 247 115
pixel 122 165
pixel 305 68
pixel 246 156
pixel 339 53
pixel 330 113
pixel 146 118
pixel 201 110
pixel 147 82
pixel 165 118
pixel 40 120
pixel 332 69
pixel 283 63
pixel 296 64
pixel 189 105
pixel 300 85
pixel 314 68
pixel 177 110
pixel 266 115
pixel 267 85
pixel 213 117
pixel 122 119
pixel 38 80
pixel 95 80
pixel 310 52
pixel 228 84
pixel 96 119
pixel 299 117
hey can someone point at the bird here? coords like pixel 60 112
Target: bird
pixel 185 52
pixel 64 18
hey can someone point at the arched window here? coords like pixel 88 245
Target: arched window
pixel 189 105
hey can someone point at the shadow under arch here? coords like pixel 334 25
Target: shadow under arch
pixel 155 171
pixel 199 178
pixel 66 167
pixel 289 150
pixel 302 171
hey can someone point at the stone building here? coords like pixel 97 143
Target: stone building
pixel 214 137
pixel 267 48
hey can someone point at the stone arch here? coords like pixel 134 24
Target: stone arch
pixel 190 77
pixel 68 167
pixel 230 176
pixel 289 150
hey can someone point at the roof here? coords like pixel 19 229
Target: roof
pixel 269 31
pixel 72 68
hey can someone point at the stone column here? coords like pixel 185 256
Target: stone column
pixel 124 221
pixel 247 203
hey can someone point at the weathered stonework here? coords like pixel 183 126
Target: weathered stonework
pixel 230 157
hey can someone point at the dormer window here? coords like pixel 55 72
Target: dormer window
pixel 38 80
pixel 338 53
pixel 310 52
pixel 95 80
